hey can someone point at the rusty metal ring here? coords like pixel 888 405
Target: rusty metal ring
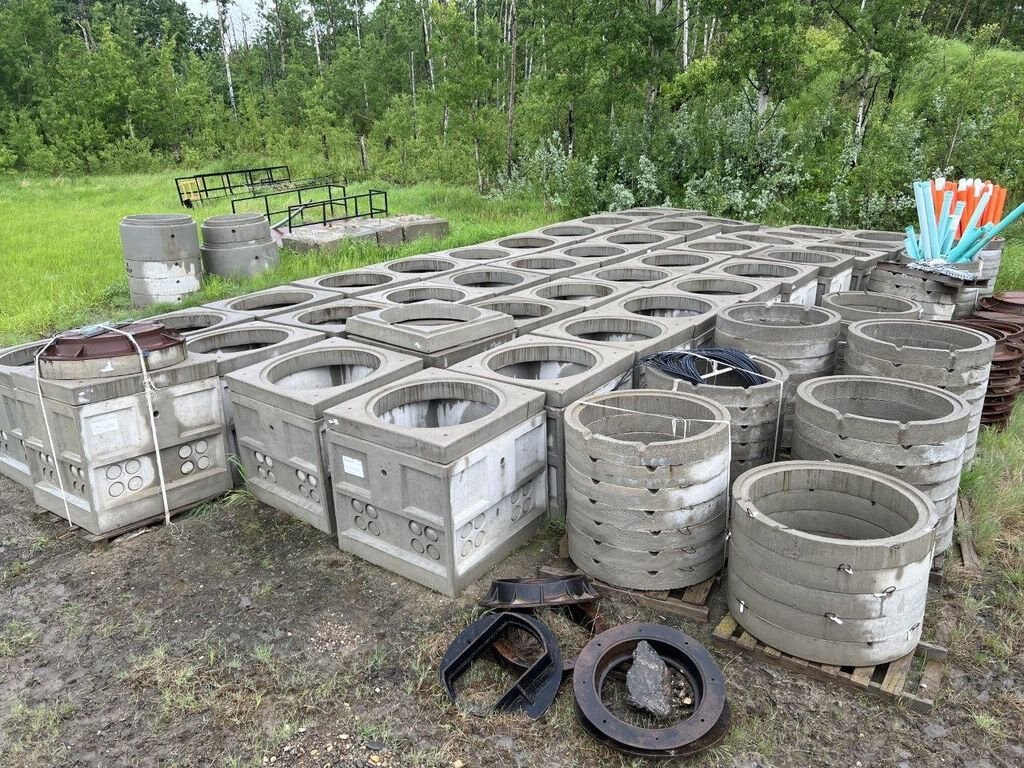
pixel 705 727
pixel 586 615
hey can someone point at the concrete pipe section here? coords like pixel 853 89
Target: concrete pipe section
pixel 438 477
pixel 330 318
pixel 854 306
pixel 530 314
pixel 801 339
pixel 161 257
pixel 279 408
pixel 950 357
pixel 355 282
pixel 909 431
pixel 829 562
pixel 754 409
pixel 238 245
pixel 835 271
pixel 646 482
pixel 274 301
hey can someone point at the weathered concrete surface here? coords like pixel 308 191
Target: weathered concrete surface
pixel 330 318
pixel 799 282
pixel 866 305
pixel 274 301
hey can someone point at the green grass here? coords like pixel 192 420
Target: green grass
pixel 61 258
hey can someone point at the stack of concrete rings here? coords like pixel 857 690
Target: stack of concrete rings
pixel 866 305
pixel 937 299
pixel 646 484
pixel 238 245
pixel 909 431
pixel 161 257
pixel 801 339
pixel 949 357
pixel 829 562
pixel 754 409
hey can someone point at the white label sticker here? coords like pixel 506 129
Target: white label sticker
pixel 104 425
pixel 352 466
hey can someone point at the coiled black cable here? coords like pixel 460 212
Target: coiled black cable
pixel 685 365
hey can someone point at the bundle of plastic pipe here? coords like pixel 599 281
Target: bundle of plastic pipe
pixel 941 212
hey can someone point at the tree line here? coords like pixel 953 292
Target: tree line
pixel 818 110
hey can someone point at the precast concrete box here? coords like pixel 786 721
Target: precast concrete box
pixel 530 314
pixel 414 293
pixel 586 293
pixel 799 281
pixel 681 311
pixel 330 318
pixel 274 301
pixel 862 239
pixel 494 279
pixel 764 239
pixel 835 272
pixel 555 265
pixel 440 333
pixel 810 233
pixel 728 226
pixel 279 409
pixel 13 455
pixel 719 247
pixel 637 241
pixel 564 372
pixel 356 282
pixel 625 273
pixel 864 259
pixel 93 456
pixel 478 254
pixel 438 477
pixel 594 253
pixel 681 227
pixel 680 263
pixel 729 290
pixel 193 320
pixel 424 268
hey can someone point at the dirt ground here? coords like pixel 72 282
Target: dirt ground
pixel 239 637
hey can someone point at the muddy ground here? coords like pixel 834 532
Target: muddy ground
pixel 239 637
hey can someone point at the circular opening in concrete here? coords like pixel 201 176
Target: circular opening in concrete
pixel 613 328
pixel 543 263
pixel 578 291
pixel 594 251
pixel 192 321
pixel 923 335
pixel 435 404
pixel 716 286
pixel 424 293
pixel 420 266
pixel 675 259
pixel 520 309
pixel 675 225
pixel 645 213
pixel 878 236
pixel 157 220
pixel 761 269
pixel 667 305
pixel 845 503
pixel 323 369
pixel 526 242
pixel 568 230
pixel 720 246
pixel 16 358
pixel 334 314
pixel 479 254
pixel 231 341
pixel 838 250
pixel 650 416
pixel 488 278
pixel 877 398
pixel 540 362
pixel 234 219
pixel 635 238
pixel 273 299
pixel 355 279
pixel 822 231
pixel 778 315
pixel 863 305
pixel 429 313
pixel 763 239
pixel 804 257
pixel 607 221
pixel 632 275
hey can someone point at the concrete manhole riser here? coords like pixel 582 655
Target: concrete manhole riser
pixel 530 315
pixel 950 357
pixel 586 293
pixel 835 271
pixel 799 282
pixel 565 372
pixel 938 300
pixel 641 335
pixel 238 245
pixel 330 318
pixel 159 237
pixel 556 265
pixel 913 432
pixel 440 333
pixel 853 306
pixel 234 228
pixel 13 453
pixel 101 442
pixel 195 320
pixel 493 279
pixel 279 408
pixel 629 274
pixel 648 455
pixel 438 477
pixel 356 283
pixel 829 562
pixel 274 301
pixel 754 410
pixel 681 311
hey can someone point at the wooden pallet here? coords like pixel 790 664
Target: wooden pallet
pixel 935 576
pixel 972 563
pixel 892 680
pixel 137 527
pixel 690 603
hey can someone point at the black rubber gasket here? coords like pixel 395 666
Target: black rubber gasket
pixel 586 615
pixel 514 594
pixel 705 727
pixel 536 688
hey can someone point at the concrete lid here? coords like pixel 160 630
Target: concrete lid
pixel 436 415
pixel 429 326
pixel 564 371
pixel 309 380
pixel 189 322
pixel 274 301
pixel 356 282
pixel 242 345
pixel 922 342
pixel 330 318
pixel 530 313
pixel 642 335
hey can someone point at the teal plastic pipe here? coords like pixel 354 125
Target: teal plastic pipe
pixel 995 231
pixel 922 214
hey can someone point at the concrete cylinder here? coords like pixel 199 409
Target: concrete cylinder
pixel 234 228
pixel 829 562
pixel 909 431
pixel 754 409
pixel 866 305
pixel 159 237
pixel 950 357
pixel 238 245
pixel 646 484
pixel 801 339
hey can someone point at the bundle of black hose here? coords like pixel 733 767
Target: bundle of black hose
pixel 687 365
